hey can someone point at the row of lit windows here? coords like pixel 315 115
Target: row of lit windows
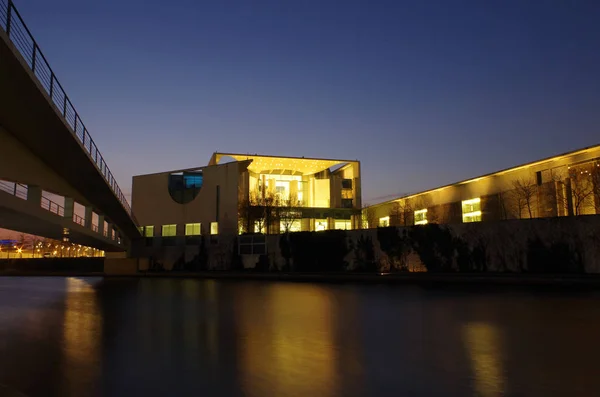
pixel 320 225
pixel 471 212
pixel 191 229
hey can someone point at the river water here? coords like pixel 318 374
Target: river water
pixel 191 337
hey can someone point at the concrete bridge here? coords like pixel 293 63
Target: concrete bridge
pixel 46 151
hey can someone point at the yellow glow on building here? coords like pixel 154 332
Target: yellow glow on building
pixel 471 210
pixel 384 222
pixel 261 164
pixel 421 217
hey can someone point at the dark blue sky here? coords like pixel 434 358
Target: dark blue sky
pixel 424 93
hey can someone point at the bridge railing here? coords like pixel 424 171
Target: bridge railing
pixel 53 207
pixel 18 33
pixel 15 189
pixel 20 191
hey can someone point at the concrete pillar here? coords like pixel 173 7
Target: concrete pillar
pixel 101 224
pixel 355 222
pixel 34 194
pixel 569 197
pixel 69 207
pixel 305 225
pixel 330 223
pixel 88 217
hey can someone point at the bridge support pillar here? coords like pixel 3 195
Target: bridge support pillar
pixel 101 224
pixel 69 207
pixel 88 217
pixel 34 194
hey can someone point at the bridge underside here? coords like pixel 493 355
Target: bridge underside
pixel 27 114
pixel 26 217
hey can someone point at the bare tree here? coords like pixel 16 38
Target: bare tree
pixel 289 212
pixel 400 213
pixel 504 203
pixel 258 211
pixel 595 174
pixel 523 196
pixel 582 188
pixel 369 217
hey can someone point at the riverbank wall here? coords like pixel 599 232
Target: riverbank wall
pixel 563 245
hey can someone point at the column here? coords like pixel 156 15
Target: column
pixel 69 207
pixel 34 194
pixel 569 197
pixel 330 223
pixel 101 224
pixel 109 230
pixel 88 217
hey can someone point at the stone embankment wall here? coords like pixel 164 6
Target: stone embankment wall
pixel 552 245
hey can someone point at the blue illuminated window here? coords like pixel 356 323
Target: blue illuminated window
pixel 192 181
pixel 185 186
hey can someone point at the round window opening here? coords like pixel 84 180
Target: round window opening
pixel 185 186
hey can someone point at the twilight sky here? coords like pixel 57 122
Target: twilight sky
pixel 423 93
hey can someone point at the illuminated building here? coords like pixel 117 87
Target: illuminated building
pixel 237 193
pixel 568 184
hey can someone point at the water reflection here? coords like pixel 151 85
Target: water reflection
pixel 484 347
pixel 82 330
pixel 163 337
pixel 287 341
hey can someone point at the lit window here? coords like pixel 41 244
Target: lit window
pixel 149 231
pixel 259 227
pixel 384 222
pixel 421 217
pixel 192 229
pixel 471 210
pixel 342 225
pixel 169 230
pixel 320 225
pixel 141 229
pixel 191 181
pixel 214 228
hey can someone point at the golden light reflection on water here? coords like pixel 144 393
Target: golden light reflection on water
pixel 484 345
pixel 82 330
pixel 288 345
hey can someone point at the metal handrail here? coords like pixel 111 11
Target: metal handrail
pixel 18 33
pixel 53 207
pixel 16 189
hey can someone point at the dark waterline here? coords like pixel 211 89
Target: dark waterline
pixel 193 337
